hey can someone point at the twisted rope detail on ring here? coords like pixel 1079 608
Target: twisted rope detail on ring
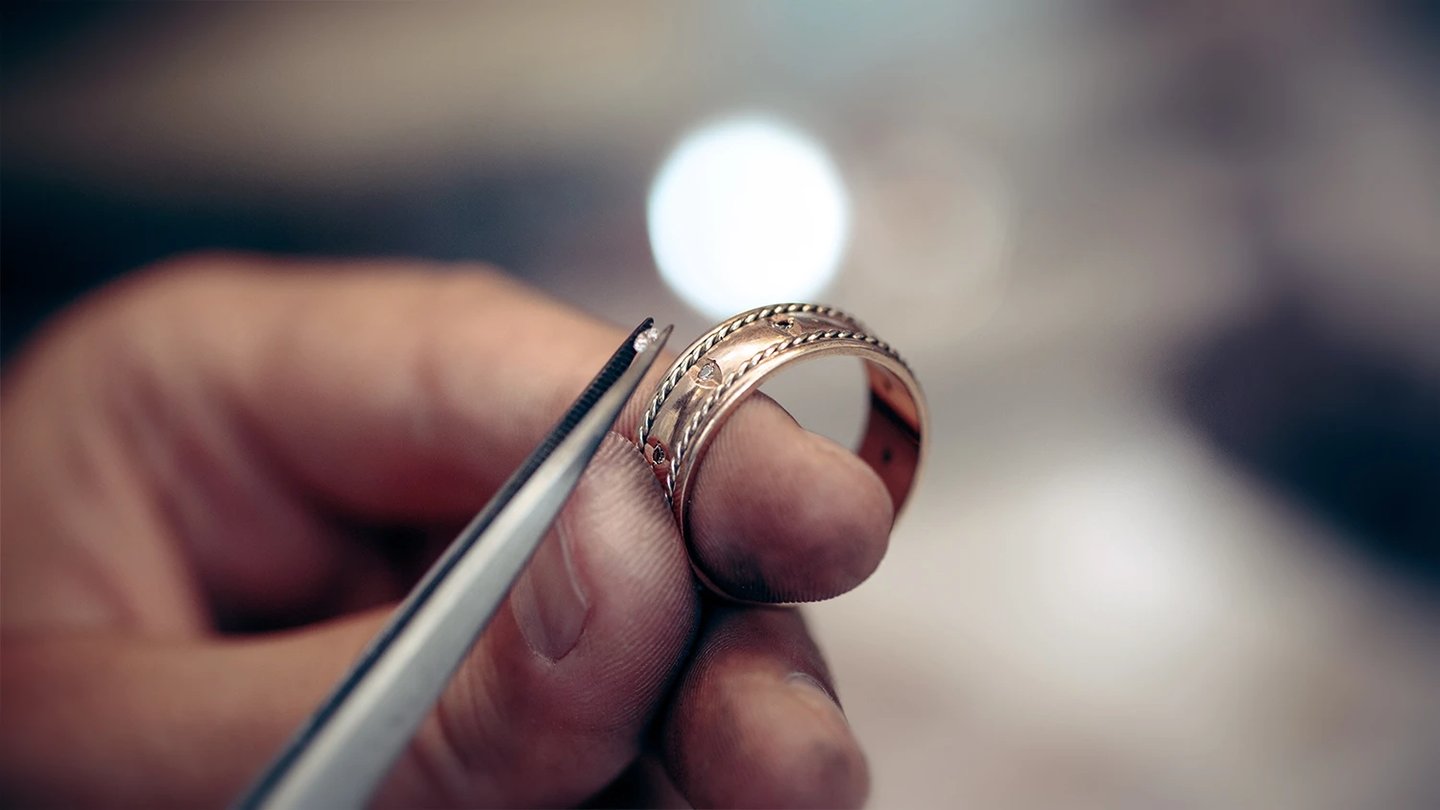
pixel 692 427
pixel 693 356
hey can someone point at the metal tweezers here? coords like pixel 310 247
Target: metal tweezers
pixel 340 755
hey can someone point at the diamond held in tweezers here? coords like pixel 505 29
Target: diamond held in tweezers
pixel 644 339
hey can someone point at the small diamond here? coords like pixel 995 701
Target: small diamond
pixel 709 372
pixel 785 324
pixel 644 339
pixel 658 453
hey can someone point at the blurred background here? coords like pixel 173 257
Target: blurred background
pixel 1170 273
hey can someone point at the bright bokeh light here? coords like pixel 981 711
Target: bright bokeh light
pixel 745 212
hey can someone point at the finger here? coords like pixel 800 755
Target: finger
pixel 549 707
pixel 397 394
pixel 781 514
pixel 754 721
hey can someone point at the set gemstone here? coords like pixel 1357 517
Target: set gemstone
pixel 708 372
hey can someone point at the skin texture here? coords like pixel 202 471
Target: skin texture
pixel 219 474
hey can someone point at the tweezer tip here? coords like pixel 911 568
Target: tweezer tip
pixel 651 337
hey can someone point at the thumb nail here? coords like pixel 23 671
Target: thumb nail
pixel 815 694
pixel 549 600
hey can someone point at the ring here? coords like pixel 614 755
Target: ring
pixel 725 365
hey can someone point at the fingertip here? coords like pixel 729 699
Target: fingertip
pixel 822 763
pixel 792 749
pixel 781 514
pixel 755 725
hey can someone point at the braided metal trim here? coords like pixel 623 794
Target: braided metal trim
pixel 693 355
pixel 692 428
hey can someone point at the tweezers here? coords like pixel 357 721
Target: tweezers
pixel 340 755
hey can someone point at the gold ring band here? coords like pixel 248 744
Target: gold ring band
pixel 728 363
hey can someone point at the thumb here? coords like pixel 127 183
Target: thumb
pixel 549 706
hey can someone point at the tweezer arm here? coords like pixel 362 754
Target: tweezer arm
pixel 340 756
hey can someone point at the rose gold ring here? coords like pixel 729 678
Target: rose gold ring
pixel 728 363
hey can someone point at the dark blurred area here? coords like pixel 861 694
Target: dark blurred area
pixel 1350 434
pixel 65 234
pixel 1170 273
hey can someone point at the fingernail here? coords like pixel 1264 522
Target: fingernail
pixel 815 693
pixel 549 599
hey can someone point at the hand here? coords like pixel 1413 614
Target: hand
pixel 219 476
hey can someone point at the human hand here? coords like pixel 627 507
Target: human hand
pixel 218 476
